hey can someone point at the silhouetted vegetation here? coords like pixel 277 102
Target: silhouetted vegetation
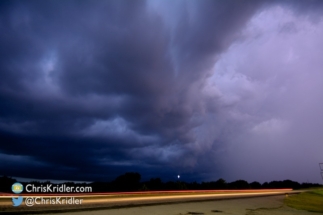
pixel 5 184
pixel 131 181
pixel 127 182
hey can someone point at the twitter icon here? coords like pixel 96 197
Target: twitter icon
pixel 17 201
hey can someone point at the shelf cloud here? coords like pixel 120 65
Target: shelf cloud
pixel 205 89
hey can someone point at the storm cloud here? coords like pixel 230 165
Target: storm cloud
pixel 206 89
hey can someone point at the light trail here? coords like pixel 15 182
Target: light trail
pixel 5 195
pixel 157 195
pixel 107 200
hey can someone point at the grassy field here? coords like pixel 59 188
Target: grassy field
pixel 311 201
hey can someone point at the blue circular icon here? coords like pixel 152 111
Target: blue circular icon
pixel 17 187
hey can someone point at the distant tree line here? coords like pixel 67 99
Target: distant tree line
pixel 131 181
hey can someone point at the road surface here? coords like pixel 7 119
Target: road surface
pixel 99 201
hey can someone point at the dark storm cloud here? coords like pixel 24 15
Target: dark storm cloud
pixel 90 90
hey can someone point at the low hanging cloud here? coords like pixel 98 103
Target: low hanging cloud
pixel 207 89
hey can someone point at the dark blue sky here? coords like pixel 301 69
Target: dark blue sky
pixel 90 90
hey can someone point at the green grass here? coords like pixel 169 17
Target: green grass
pixel 310 201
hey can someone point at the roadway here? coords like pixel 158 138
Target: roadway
pixel 119 200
